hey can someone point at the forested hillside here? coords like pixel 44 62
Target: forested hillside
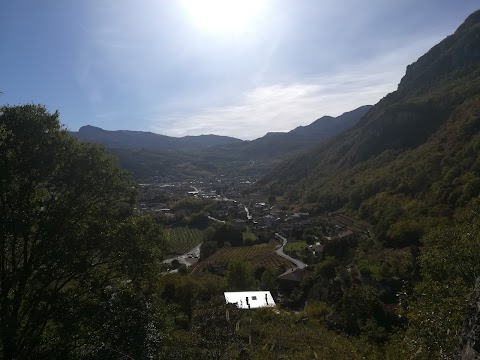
pixel 414 155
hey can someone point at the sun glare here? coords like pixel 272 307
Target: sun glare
pixel 224 15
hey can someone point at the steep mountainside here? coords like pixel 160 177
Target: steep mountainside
pixel 278 144
pixel 413 156
pixel 147 140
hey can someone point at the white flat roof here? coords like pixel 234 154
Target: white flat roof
pixel 250 299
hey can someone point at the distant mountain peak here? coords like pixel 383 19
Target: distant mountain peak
pixel 147 140
pixel 274 133
pixel 89 128
pixel 281 144
pixel 329 125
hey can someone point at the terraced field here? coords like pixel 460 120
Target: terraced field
pixel 349 223
pixel 182 239
pixel 258 255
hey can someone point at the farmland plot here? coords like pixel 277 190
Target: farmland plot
pixel 182 239
pixel 258 256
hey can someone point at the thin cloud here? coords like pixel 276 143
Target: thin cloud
pixel 87 82
pixel 284 106
pixel 279 107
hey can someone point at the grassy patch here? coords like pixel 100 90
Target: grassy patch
pixel 295 246
pixel 249 236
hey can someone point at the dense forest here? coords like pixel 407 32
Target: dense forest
pixel 81 272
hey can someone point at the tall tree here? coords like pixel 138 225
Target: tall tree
pixel 73 257
pixel 240 276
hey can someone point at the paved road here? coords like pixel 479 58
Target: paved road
pixel 183 259
pixel 279 251
pixel 220 221
pixel 249 216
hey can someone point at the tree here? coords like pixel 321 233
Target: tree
pixel 240 276
pixel 268 281
pixel 222 233
pixel 449 270
pixel 207 248
pixel 215 326
pixel 75 262
pixel 199 220
pixel 359 304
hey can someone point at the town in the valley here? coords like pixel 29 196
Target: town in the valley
pixel 262 230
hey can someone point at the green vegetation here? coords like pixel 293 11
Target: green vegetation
pixel 449 268
pixel 240 276
pixel 249 237
pixel 180 240
pixel 262 255
pixel 76 263
pixel 147 163
pixel 295 246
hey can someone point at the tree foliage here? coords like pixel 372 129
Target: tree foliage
pixel 449 268
pixel 240 276
pixel 74 260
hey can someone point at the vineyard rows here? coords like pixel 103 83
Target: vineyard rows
pixel 181 240
pixel 349 223
pixel 257 255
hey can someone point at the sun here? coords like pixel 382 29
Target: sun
pixel 230 16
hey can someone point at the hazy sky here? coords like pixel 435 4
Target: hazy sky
pixel 228 67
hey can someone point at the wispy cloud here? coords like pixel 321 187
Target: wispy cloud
pixel 87 82
pixel 279 107
pixel 284 106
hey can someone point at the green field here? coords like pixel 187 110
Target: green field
pixel 262 255
pixel 295 246
pixel 182 239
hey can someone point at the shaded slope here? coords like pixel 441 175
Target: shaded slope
pixel 144 163
pixel 148 154
pixel 278 144
pixel 147 140
pixel 414 155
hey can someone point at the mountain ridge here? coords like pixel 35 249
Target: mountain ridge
pixel 132 139
pixel 412 156
pixel 282 144
pixel 144 152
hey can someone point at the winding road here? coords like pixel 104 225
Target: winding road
pixel 279 251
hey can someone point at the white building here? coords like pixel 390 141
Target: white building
pixel 250 299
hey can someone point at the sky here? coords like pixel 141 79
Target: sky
pixel 239 68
